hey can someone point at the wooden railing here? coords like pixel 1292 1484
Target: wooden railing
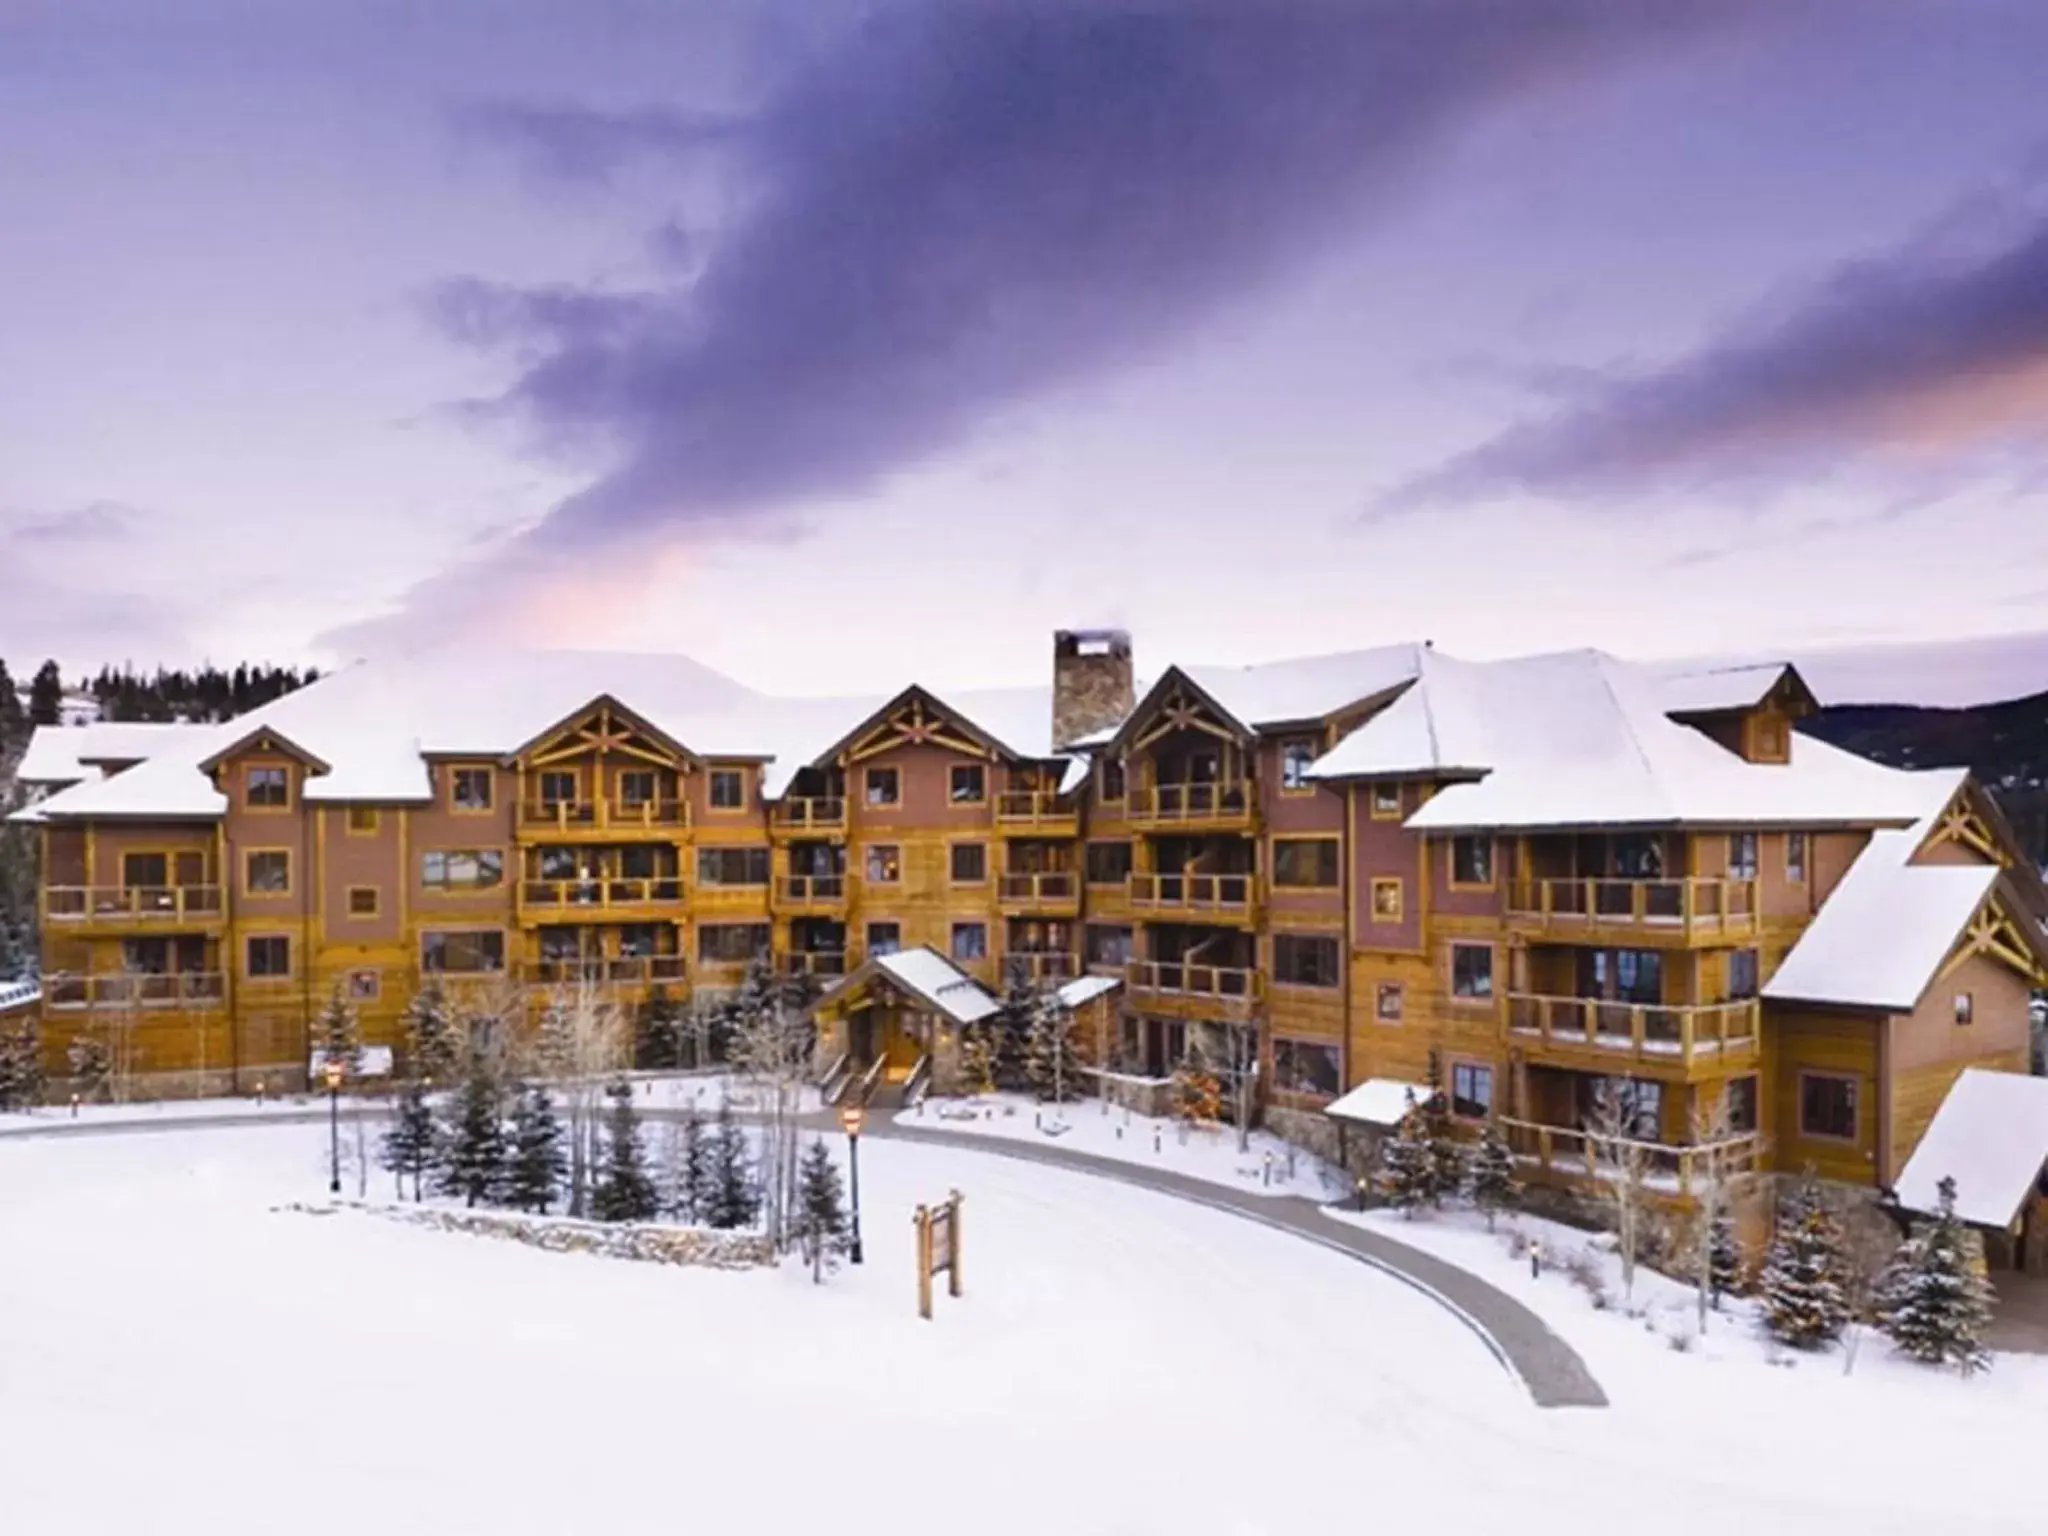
pixel 919 1083
pixel 1049 887
pixel 612 970
pixel 824 813
pixel 1691 905
pixel 810 890
pixel 1228 801
pixel 604 815
pixel 1033 807
pixel 1227 894
pixel 169 905
pixel 1041 965
pixel 129 989
pixel 812 962
pixel 603 891
pixel 1228 985
pixel 1564 1152
pixel 1645 1031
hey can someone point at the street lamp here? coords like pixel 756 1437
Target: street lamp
pixel 850 1118
pixel 333 1070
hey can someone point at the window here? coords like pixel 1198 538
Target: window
pixel 970 941
pixel 558 787
pixel 1295 757
pixel 1472 972
pixel 1386 802
pixel 1104 945
pixel 1827 1106
pixel 146 956
pixel 1636 1104
pixel 732 866
pixel 728 789
pixel 970 863
pixel 1471 1090
pixel 1304 960
pixel 145 869
pixel 1742 973
pixel 1109 863
pixel 1742 1105
pixel 362 821
pixel 969 784
pixel 1386 899
pixel 462 869
pixel 270 954
pixel 884 864
pixel 1307 1067
pixel 731 943
pixel 636 787
pixel 362 901
pixel 884 938
pixel 1113 778
pixel 365 986
pixel 1966 1008
pixel 1305 861
pixel 268 872
pixel 883 785
pixel 267 788
pixel 1741 855
pixel 1386 1002
pixel 463 953
pixel 1471 861
pixel 1770 741
pixel 470 789
pixel 1795 858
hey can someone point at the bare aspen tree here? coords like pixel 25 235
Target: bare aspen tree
pixel 1232 1049
pixel 1622 1168
pixel 1862 1261
pixel 773 1041
pixel 1716 1169
pixel 581 1043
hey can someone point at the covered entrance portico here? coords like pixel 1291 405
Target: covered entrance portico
pixel 898 1019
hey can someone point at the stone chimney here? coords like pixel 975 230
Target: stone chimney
pixel 1093 687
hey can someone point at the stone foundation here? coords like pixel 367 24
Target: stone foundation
pixel 1140 1095
pixel 699 1247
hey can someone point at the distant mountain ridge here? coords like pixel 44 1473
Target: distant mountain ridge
pixel 1929 674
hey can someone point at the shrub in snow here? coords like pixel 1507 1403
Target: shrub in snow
pixel 21 1067
pixel 92 1069
pixel 821 1212
pixel 1584 1269
pixel 1804 1305
pixel 1197 1095
pixel 1936 1301
pixel 624 1191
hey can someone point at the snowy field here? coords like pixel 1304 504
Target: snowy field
pixel 177 1357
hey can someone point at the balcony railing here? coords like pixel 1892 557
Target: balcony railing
pixel 611 970
pixel 165 905
pixel 819 813
pixel 1176 803
pixel 603 815
pixel 1227 986
pixel 128 989
pixel 1041 965
pixel 1565 1153
pixel 1686 906
pixel 821 963
pixel 604 891
pixel 812 890
pixel 1034 808
pixel 1041 888
pixel 1644 1031
pixel 1224 895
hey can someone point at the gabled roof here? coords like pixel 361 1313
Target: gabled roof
pixel 1309 688
pixel 1991 1136
pixel 65 754
pixel 1083 990
pixel 1382 1101
pixel 925 974
pixel 1150 701
pixel 602 701
pixel 1686 689
pixel 272 740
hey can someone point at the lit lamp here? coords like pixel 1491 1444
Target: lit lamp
pixel 332 1070
pixel 850 1118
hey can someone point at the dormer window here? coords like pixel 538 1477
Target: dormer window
pixel 471 789
pixel 267 789
pixel 1295 758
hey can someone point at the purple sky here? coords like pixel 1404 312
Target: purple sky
pixel 819 340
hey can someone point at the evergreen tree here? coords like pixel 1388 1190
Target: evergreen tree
pixel 433 1041
pixel 92 1069
pixel 978 1058
pixel 1494 1188
pixel 690 1194
pixel 1053 1063
pixel 1724 1260
pixel 1446 1152
pixel 13 718
pixel 1009 1029
pixel 1805 1305
pixel 474 1165
pixel 1936 1301
pixel 1407 1169
pixel 10 1073
pixel 658 1041
pixel 554 1041
pixel 624 1191
pixel 46 695
pixel 539 1161
pixel 337 1034
pixel 409 1142
pixel 731 1199
pixel 821 1211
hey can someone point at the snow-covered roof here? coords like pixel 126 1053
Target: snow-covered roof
pixel 1709 690
pixel 64 754
pixel 1991 1136
pixel 1580 738
pixel 940 982
pixel 1881 936
pixel 16 995
pixel 1379 1101
pixel 1308 688
pixel 1083 990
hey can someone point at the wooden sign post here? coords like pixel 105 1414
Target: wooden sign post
pixel 938 1248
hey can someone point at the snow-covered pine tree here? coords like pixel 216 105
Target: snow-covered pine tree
pixel 978 1058
pixel 1494 1188
pixel 1936 1301
pixel 624 1191
pixel 690 1188
pixel 337 1034
pixel 1803 1302
pixel 1407 1169
pixel 1724 1260
pixel 433 1042
pixel 659 1039
pixel 409 1141
pixel 1446 1151
pixel 10 1072
pixel 28 1064
pixel 1054 1064
pixel 1009 1030
pixel 92 1068
pixel 730 1197
pixel 821 1211
pixel 538 1163
pixel 474 1165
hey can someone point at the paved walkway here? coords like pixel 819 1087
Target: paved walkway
pixel 1548 1367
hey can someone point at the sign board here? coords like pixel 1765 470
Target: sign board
pixel 938 1249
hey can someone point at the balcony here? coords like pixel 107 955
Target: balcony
pixel 1037 813
pixel 1226 898
pixel 822 815
pixel 618 818
pixel 1192 807
pixel 1680 911
pixel 133 906
pixel 1563 1155
pixel 1040 893
pixel 1186 989
pixel 122 991
pixel 1597 1035
pixel 604 896
pixel 811 894
pixel 825 965
pixel 1041 966
pixel 609 971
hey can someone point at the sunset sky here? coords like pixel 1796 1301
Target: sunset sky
pixel 816 339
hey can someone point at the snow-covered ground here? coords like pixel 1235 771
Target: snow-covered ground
pixel 1270 1167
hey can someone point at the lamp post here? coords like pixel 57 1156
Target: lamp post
pixel 850 1118
pixel 332 1069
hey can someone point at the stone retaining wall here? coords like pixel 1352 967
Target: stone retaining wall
pixel 700 1247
